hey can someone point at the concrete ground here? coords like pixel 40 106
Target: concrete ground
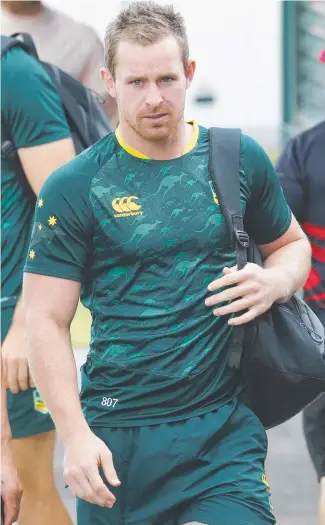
pixel 291 476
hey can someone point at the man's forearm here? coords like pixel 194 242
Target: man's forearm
pixel 54 371
pixel 291 265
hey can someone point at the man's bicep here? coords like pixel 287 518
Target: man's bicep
pixel 50 297
pixel 292 234
pixel 60 243
pixel 40 161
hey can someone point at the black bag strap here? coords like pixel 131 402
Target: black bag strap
pixel 224 164
pixel 28 43
pixel 23 40
pixel 224 170
pixel 6 44
pixel 73 111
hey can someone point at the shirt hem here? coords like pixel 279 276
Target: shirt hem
pixel 162 420
pixel 279 234
pixel 44 139
pixel 49 273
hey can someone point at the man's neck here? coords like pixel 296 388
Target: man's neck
pixel 170 148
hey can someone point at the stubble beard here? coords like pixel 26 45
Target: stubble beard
pixel 156 132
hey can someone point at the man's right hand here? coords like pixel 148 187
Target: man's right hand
pixel 11 490
pixel 84 455
pixel 16 371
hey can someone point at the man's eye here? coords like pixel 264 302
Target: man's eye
pixel 136 82
pixel 166 80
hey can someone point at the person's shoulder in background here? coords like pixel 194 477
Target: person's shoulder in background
pixel 17 61
pixel 312 135
pixel 68 44
pixel 300 169
pixel 62 41
pixel 80 52
pixel 304 145
pixel 310 138
pixel 30 105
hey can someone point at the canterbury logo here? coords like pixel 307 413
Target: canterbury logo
pixel 126 206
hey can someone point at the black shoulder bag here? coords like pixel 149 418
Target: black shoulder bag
pixel 281 354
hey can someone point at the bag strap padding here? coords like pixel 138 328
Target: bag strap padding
pixel 224 164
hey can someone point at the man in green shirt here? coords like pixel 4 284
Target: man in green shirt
pixel 133 224
pixel 32 120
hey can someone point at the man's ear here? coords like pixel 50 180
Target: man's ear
pixel 189 73
pixel 108 81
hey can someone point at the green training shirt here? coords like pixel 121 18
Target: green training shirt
pixel 145 238
pixel 31 114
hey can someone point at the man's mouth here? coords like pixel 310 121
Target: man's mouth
pixel 156 118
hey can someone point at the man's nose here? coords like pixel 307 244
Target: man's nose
pixel 153 97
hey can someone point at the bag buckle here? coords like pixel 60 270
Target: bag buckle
pixel 242 238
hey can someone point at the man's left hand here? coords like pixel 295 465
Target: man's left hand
pixel 253 289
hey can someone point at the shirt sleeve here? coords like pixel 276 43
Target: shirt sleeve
pixel 292 178
pixel 31 106
pixel 62 230
pixel 267 215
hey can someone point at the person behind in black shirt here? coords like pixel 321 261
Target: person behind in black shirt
pixel 301 170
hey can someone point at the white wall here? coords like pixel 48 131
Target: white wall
pixel 237 45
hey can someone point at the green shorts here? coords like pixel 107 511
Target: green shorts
pixel 208 469
pixel 28 414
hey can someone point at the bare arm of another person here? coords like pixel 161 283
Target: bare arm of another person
pixel 38 163
pixel 50 304
pixel 11 490
pixel 35 121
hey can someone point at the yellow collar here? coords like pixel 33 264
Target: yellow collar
pixel 136 153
